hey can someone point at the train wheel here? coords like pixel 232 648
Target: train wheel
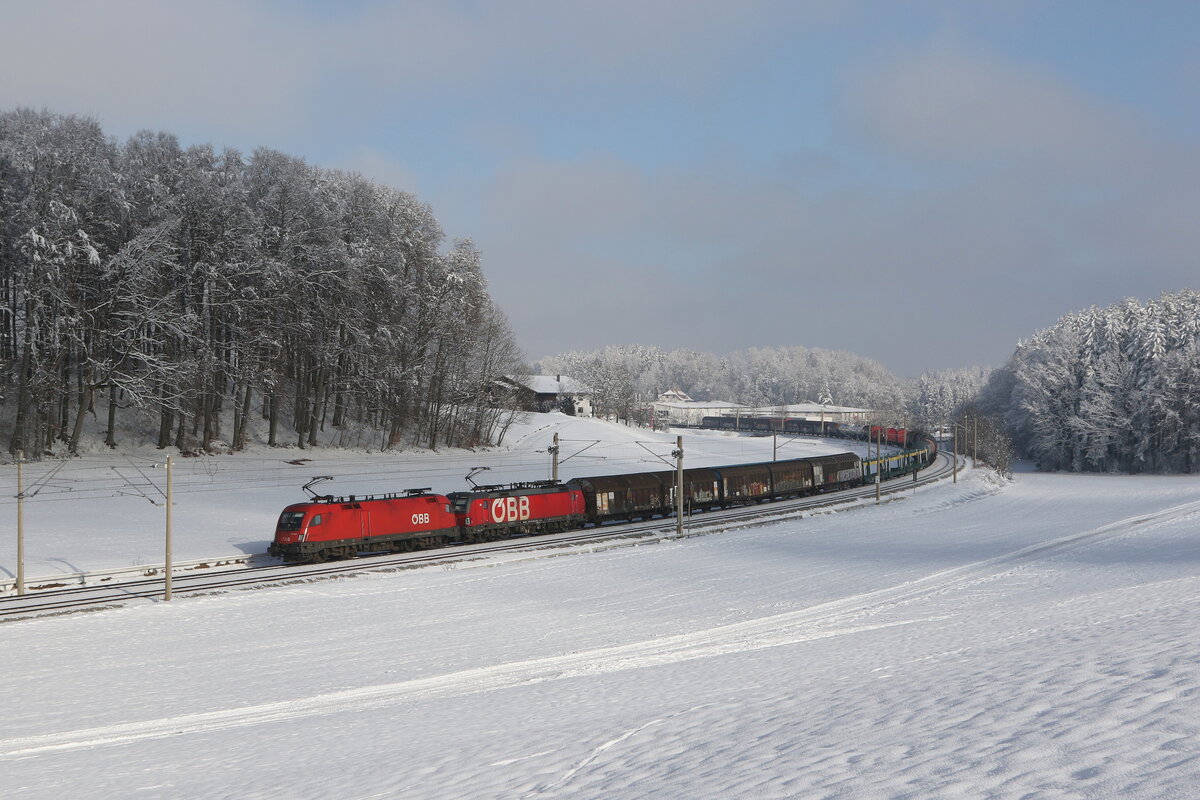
pixel 319 557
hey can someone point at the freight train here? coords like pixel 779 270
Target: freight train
pixel 342 527
pixel 896 437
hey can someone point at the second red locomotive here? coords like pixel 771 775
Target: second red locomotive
pixel 493 512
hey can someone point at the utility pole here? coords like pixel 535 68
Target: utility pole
pixel 954 449
pixel 167 566
pixel 678 485
pixel 878 466
pixel 20 522
pixel 774 446
pixel 554 459
pixel 975 439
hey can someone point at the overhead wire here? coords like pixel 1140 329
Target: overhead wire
pixel 236 476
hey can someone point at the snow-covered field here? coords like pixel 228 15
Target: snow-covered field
pixel 1033 639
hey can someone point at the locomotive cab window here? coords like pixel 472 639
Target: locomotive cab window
pixel 316 520
pixel 290 520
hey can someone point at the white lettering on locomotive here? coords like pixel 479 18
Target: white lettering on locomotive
pixel 510 509
pixel 420 519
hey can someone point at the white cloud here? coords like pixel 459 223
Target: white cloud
pixel 226 65
pixel 947 103
pixel 556 43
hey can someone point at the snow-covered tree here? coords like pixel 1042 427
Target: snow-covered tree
pixel 1107 389
pixel 190 285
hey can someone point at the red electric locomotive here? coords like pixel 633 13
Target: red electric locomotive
pixel 494 512
pixel 342 527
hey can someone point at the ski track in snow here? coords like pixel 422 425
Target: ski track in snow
pixel 843 617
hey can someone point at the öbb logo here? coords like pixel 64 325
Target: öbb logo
pixel 510 509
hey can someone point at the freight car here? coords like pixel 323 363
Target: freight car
pixel 792 425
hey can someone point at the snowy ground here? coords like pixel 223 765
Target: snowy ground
pixel 979 640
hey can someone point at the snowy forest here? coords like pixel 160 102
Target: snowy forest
pixel 624 380
pixel 210 295
pixel 1113 389
pixel 204 300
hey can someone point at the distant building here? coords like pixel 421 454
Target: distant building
pixel 675 408
pixel 817 412
pixel 674 396
pixel 547 393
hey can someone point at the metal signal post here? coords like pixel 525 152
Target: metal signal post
pixel 878 465
pixel 554 460
pixel 678 455
pixel 20 522
pixel 167 566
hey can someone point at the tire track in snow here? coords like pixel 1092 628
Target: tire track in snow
pixel 597 751
pixel 964 575
pixel 823 621
pixel 737 638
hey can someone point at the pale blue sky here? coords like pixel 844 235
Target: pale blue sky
pixel 707 174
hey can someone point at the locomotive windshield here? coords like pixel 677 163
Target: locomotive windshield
pixel 460 502
pixel 290 520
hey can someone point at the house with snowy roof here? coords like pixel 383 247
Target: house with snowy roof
pixel 548 392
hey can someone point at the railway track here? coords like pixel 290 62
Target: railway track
pixel 85 598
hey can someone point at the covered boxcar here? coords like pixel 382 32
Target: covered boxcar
pixel 342 527
pixel 836 471
pixel 607 497
pixel 747 483
pixel 701 489
pixel 792 477
pixel 808 427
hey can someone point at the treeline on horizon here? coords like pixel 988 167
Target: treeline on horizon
pixel 185 285
pixel 1105 390
pixel 625 379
